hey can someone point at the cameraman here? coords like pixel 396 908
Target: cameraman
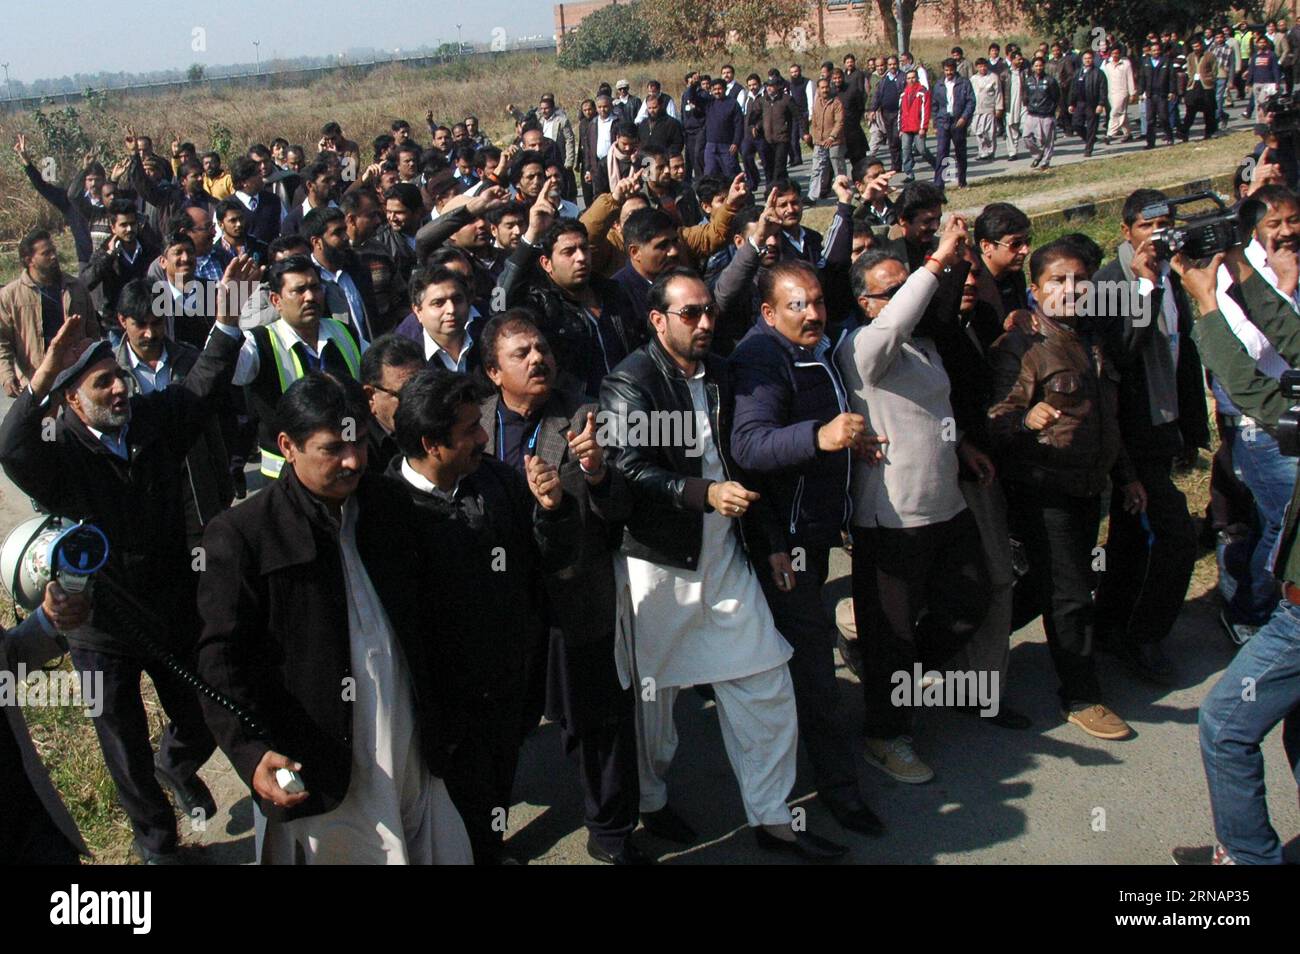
pixel 1272 213
pixel 1231 732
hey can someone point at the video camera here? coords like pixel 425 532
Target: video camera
pixel 1197 236
pixel 1285 112
pixel 1288 425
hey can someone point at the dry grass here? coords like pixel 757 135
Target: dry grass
pixel 65 738
pixel 364 106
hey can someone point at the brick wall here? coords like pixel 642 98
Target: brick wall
pixel 839 21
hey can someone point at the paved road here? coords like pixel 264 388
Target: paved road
pixel 1069 150
pixel 998 797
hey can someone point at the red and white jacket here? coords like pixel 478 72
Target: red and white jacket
pixel 914 111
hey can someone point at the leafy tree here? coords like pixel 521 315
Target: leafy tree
pixel 751 21
pixel 688 29
pixel 618 33
pixel 195 73
pixel 220 139
pixel 1129 20
pixel 703 28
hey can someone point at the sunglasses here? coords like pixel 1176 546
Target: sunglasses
pixel 693 313
pixel 887 294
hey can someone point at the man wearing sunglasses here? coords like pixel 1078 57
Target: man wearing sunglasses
pixel 920 585
pixel 693 546
pixel 1002 242
pixel 389 362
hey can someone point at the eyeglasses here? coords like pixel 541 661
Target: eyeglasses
pixel 887 294
pixel 1014 243
pixel 693 313
pixel 390 393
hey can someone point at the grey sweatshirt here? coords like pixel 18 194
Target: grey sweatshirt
pixel 898 383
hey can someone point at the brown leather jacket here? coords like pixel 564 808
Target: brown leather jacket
pixel 1077 452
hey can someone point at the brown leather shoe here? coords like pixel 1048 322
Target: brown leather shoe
pixel 1099 722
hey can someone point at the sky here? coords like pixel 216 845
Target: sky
pixel 53 38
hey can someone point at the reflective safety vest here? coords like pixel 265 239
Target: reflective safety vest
pixel 275 350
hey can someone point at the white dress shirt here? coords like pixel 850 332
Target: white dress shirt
pixel 150 378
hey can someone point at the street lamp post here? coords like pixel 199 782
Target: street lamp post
pixel 257 50
pixel 459 48
pixel 9 93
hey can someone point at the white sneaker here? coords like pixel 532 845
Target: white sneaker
pixel 896 758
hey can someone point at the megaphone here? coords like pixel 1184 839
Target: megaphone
pixel 46 548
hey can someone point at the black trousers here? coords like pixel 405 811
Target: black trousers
pixel 924 593
pixel 1059 532
pixel 1148 561
pixel 1158 112
pixel 894 138
pixel 776 160
pixel 694 154
pixel 1085 125
pixel 123 731
pixel 951 141
pixel 855 141
pixel 1201 101
pixel 598 724
pixel 796 140
pixel 599 179
pixel 802 619
pixel 750 149
pixel 480 775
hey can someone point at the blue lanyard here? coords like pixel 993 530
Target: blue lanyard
pixel 501 437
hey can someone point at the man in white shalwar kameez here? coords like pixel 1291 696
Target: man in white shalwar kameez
pixel 394 804
pixel 988 107
pixel 706 622
pixel 319 575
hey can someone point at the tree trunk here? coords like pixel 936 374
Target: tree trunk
pixel 886 8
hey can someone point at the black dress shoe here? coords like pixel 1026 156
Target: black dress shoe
pixel 669 826
pixel 1193 855
pixel 630 855
pixel 150 857
pixel 190 795
pixel 1007 718
pixel 855 817
pixel 1149 663
pixel 806 845
pixel 851 654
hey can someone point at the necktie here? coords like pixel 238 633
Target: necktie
pixel 309 361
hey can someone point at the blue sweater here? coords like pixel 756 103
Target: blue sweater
pixel 784 393
pixel 723 123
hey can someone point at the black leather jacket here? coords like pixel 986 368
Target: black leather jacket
pixel 1042 95
pixel 669 493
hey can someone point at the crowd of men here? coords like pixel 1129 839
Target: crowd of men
pixel 517 458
